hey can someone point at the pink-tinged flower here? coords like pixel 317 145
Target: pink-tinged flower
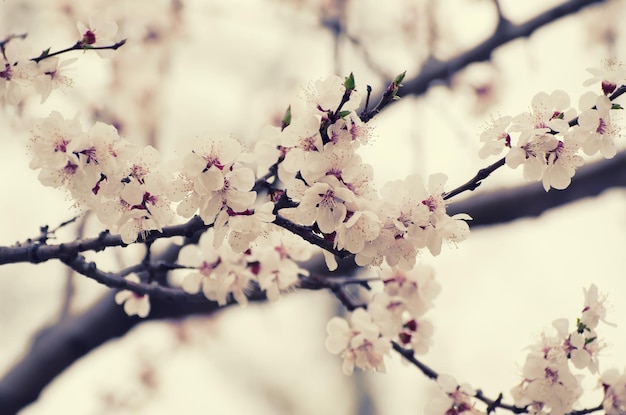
pixel 235 195
pixel 561 165
pixel 359 342
pixel 298 142
pixel 327 94
pixel 52 75
pixel 594 309
pixel 134 304
pixel 614 384
pixel 220 272
pixel 454 399
pixel 600 130
pixel 17 73
pixel 324 203
pixel 139 202
pixel 207 160
pixel 610 75
pixel 418 215
pixel 362 226
pixel 532 156
pixel 349 130
pixel 495 137
pixel 548 112
pixel 239 229
pixel 549 384
pixel 213 181
pixel 396 322
pixel 145 207
pixel 275 260
pixel 417 287
pixel 100 32
pixel 204 258
pixel 53 141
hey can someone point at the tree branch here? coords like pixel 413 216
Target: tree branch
pixel 505 205
pixel 58 346
pixel 505 32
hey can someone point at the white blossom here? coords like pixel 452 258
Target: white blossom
pixel 359 342
pixel 134 304
pixel 610 75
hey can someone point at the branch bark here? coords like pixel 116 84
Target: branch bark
pixel 442 71
pixel 505 205
pixel 56 348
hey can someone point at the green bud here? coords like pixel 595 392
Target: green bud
pixel 286 118
pixel 398 79
pixel 616 107
pixel 349 83
pixel 344 113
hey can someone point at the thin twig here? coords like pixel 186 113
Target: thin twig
pixel 80 45
pixel 475 181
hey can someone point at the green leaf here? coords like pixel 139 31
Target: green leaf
pixel 286 118
pixel 344 113
pixel 349 82
pixel 45 53
pixel 398 79
pixel 616 107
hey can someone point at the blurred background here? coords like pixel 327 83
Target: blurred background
pixel 212 68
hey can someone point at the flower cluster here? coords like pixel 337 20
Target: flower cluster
pixel 214 183
pixel 549 386
pixel 395 314
pixel 117 180
pixel 271 262
pixel 21 75
pixel 552 134
pixel 614 385
pixel 332 187
pixel 325 184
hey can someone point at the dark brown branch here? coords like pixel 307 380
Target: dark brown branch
pixel 505 32
pixel 77 46
pixel 57 347
pixel 35 253
pixel 410 356
pixel 306 233
pixel 505 205
pixel 475 181
pixel 113 280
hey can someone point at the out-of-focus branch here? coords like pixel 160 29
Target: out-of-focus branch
pixel 505 205
pixel 57 347
pixel 505 32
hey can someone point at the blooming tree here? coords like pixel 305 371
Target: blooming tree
pixel 245 221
